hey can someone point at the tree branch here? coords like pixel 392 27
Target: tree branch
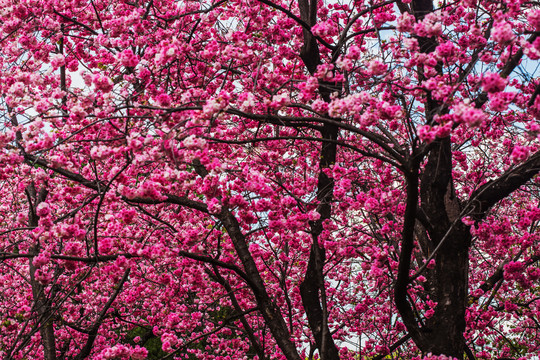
pixel 495 190
pixel 92 333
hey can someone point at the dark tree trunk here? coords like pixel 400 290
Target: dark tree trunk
pixel 312 288
pixel 443 332
pixel 42 303
pixel 442 209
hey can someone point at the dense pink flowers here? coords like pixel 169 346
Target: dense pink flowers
pixel 43 209
pixel 492 83
pixel 42 259
pixel 519 153
pixel 102 83
pixel 502 32
pixel 128 58
pixel 207 179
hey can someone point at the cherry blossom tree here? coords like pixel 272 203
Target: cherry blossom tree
pixel 269 179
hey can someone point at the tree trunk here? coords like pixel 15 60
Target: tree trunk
pixel 444 330
pixel 42 304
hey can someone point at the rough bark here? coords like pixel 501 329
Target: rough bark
pixel 443 332
pixel 42 304
pixel 269 310
pixel 439 202
pixel 312 288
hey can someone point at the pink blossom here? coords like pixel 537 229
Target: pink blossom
pixel 429 26
pixel 139 353
pixel 128 59
pixel 41 259
pixel 102 83
pixel 314 215
pixel 426 133
pixel 57 61
pixel 519 153
pixel 214 206
pixel 501 100
pixel 405 22
pixel 163 100
pixel 43 276
pixel 377 68
pixel 502 32
pixel 43 209
pixel 17 89
pixel 41 106
pixel 465 113
pixel 446 50
pixel 492 82
pixel 533 18
pixel 320 106
pixel 194 142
